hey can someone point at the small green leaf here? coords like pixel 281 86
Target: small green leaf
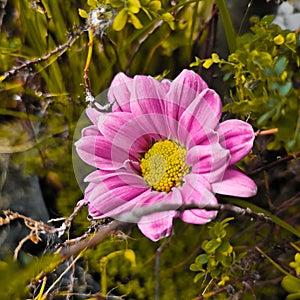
pixel 284 89
pixel 199 276
pixel 280 65
pixel 211 246
pixel 265 117
pixel 120 20
pixel 201 259
pixel 196 268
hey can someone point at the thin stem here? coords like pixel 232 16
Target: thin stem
pixel 266 132
pixel 275 163
pixel 61 276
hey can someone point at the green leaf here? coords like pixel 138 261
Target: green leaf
pixel 120 20
pixel 227 24
pixel 280 65
pixel 225 248
pixel 285 89
pixel 291 284
pixel 199 276
pixel 265 117
pixel 211 246
pixel 201 259
pixel 196 268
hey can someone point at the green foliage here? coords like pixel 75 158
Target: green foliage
pixel 264 75
pixel 296 264
pixel 292 283
pixel 219 258
pixel 138 280
pixel 15 276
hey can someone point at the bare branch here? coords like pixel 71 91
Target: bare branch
pixel 59 50
pixel 274 163
pixel 136 214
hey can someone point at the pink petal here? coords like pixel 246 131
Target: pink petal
pixel 148 104
pixel 97 152
pixel 211 161
pixel 196 190
pixel 158 225
pixel 120 92
pixel 124 132
pixel 90 130
pixel 235 183
pixel 198 216
pixel 147 96
pixel 238 137
pixel 115 194
pixel 182 92
pixel 93 114
pixel 200 117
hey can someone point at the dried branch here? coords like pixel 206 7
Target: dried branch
pixel 135 215
pixel 59 50
pixel 274 163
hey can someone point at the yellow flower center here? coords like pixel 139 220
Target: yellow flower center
pixel 164 165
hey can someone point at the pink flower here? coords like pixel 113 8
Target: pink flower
pixel 162 145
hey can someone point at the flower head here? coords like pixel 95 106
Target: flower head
pixel 161 147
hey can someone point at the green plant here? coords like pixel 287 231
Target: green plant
pixel 219 258
pixel 263 73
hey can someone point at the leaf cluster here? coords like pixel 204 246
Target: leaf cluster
pixel 263 73
pixel 219 258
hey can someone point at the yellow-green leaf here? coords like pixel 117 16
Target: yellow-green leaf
pixel 168 18
pixel 92 3
pixel 207 64
pixel 155 5
pixel 83 13
pixel 279 39
pixel 120 20
pixel 135 22
pixel 133 6
pixel 215 58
